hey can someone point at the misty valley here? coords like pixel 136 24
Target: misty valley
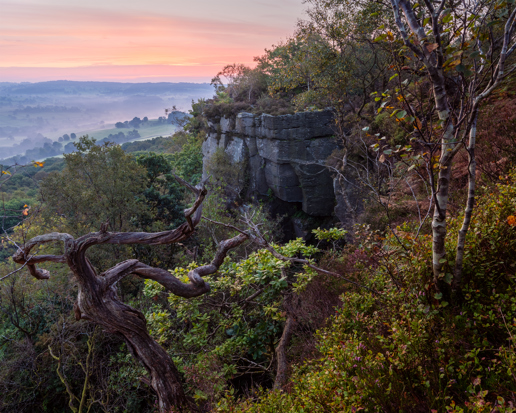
pixel 39 120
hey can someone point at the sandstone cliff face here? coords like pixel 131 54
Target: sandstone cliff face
pixel 284 155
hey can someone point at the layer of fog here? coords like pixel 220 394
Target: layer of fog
pixel 35 114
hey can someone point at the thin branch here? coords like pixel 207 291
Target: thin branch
pixel 197 285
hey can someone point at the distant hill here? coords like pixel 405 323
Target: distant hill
pixel 66 87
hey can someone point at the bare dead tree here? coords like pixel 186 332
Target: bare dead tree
pixel 98 301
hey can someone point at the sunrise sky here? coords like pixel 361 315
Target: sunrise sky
pixel 130 40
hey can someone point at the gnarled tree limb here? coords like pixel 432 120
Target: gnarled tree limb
pixel 98 301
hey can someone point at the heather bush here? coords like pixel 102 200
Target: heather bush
pixel 402 347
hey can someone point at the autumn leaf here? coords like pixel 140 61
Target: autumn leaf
pixel 40 164
pixel 431 47
pixel 6 173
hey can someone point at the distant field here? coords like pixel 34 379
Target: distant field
pixel 152 130
pixel 149 130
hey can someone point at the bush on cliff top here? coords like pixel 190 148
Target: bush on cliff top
pixel 223 106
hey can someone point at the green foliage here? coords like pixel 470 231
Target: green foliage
pixel 240 320
pixel 243 84
pixel 386 126
pixel 226 173
pixel 187 162
pixel 163 195
pixel 408 349
pixel 332 234
pixel 307 68
pixel 99 184
pixel 330 61
pixel 159 144
pixel 18 196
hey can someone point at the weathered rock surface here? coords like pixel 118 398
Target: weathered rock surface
pixel 284 155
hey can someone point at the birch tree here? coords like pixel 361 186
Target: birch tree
pixel 462 47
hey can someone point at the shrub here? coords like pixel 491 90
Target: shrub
pixel 407 348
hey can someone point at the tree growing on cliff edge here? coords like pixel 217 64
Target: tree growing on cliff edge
pixel 98 301
pixel 461 49
pixel 243 83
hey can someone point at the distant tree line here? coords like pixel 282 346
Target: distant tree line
pixel 56 148
pixel 120 137
pixel 66 137
pixel 135 123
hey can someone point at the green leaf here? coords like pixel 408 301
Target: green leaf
pixel 387 152
pixel 448 18
pixel 365 129
pixel 438 296
pixel 393 76
pixel 401 114
pixel 380 38
pixel 442 261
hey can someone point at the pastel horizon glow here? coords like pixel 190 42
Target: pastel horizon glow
pixel 131 41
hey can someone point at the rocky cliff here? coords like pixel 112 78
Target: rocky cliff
pixel 284 156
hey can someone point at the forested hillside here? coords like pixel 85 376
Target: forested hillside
pixel 128 283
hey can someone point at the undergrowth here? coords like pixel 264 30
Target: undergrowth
pixel 404 348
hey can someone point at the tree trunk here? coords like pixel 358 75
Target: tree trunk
pixel 103 307
pixel 97 299
pixel 470 204
pixel 281 354
pixel 440 212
